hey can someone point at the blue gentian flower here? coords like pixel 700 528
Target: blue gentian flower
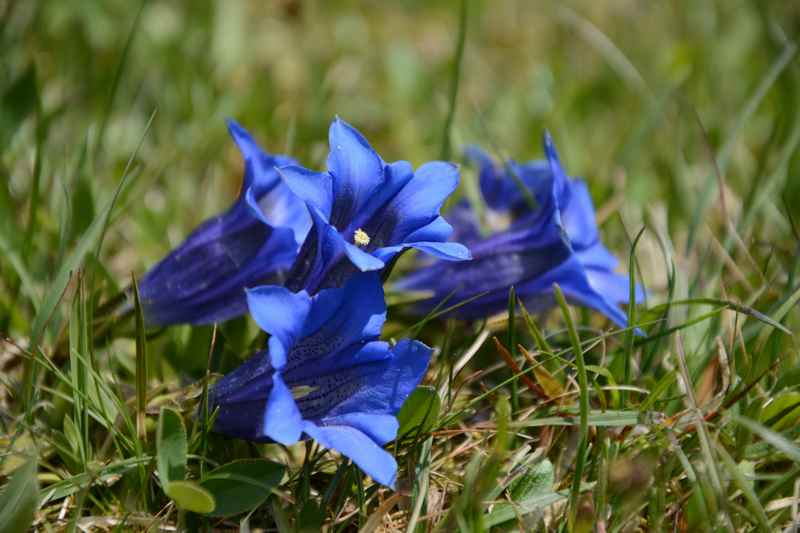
pixel 324 374
pixel 552 238
pixel 365 212
pixel 254 242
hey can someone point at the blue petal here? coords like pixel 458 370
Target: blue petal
pixel 438 230
pixel 419 202
pixel 537 177
pixel 202 280
pixel 556 243
pixel 430 239
pixel 578 216
pixel 240 397
pixel 356 168
pixel 314 188
pixel 496 189
pixel 239 419
pixel 361 259
pixel 397 176
pixel 253 205
pixel 281 313
pixel 614 287
pixel 282 420
pixel 447 251
pixel 339 323
pixel 391 380
pixel 466 227
pixel 598 256
pixel 280 208
pixel 354 444
pixel 381 428
pixel 560 182
pixel 249 382
pixel 259 165
pixel 372 379
pixel 357 311
pixel 500 261
pixel 572 279
pixel 323 250
pixel 503 189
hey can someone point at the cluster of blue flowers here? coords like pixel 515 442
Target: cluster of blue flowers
pixel 306 254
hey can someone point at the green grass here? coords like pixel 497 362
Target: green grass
pixel 683 117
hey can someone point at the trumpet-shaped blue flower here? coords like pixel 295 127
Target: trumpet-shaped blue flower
pixel 254 242
pixel 365 211
pixel 325 375
pixel 552 238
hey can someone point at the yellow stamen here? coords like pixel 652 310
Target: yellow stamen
pixel 360 237
pixel 302 391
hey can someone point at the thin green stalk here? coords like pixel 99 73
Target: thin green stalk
pixel 629 334
pixel 583 429
pixel 455 81
pixel 141 364
pixel 512 306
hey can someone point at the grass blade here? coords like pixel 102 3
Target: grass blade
pixel 141 363
pixel 455 81
pixel 583 429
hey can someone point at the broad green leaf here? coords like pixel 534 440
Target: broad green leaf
pixel 539 479
pixel 171 446
pixel 19 499
pixel 190 496
pixel 242 485
pixel 419 412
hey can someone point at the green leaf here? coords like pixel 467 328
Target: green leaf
pixel 539 479
pixel 71 485
pixel 190 496
pixel 241 486
pixel 419 412
pixel 83 206
pixel 172 447
pixel 503 512
pixel 782 412
pixel 20 499
pixel 583 428
pixel 18 101
pixel 310 518
pixel 595 418
pixel 778 441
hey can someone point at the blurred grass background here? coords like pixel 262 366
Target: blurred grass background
pixel 646 100
pixel 616 82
